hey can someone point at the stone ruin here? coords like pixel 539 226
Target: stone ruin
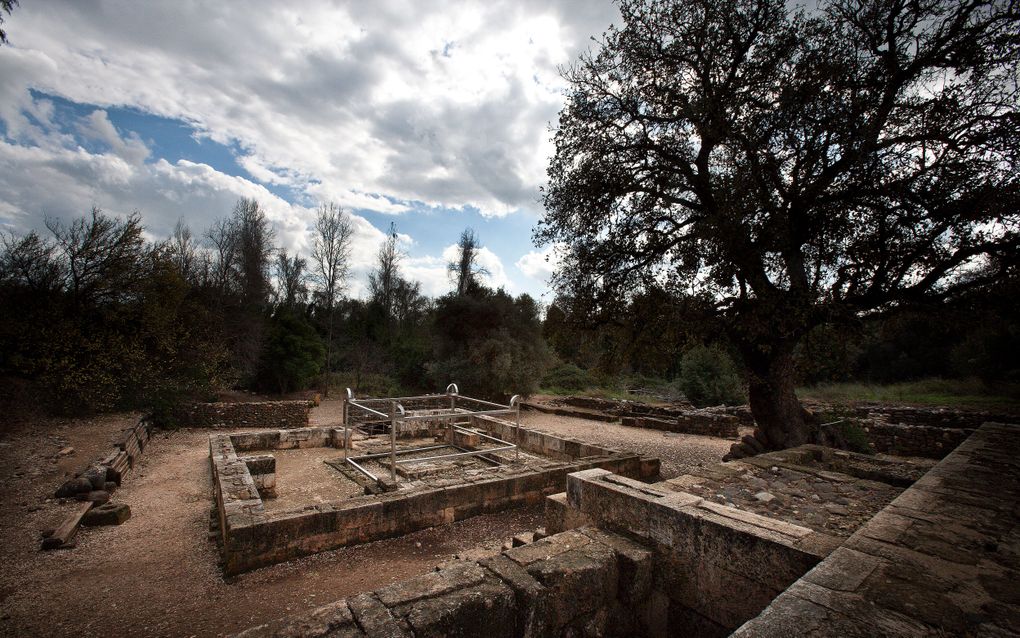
pixel 900 430
pixel 245 473
pixel 626 558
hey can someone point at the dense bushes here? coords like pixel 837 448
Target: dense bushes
pixel 567 376
pixel 489 343
pixel 708 377
pixel 293 353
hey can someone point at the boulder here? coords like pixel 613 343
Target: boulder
pixel 96 496
pixel 107 514
pixel 73 487
pixel 96 475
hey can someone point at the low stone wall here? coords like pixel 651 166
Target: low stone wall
pixel 940 560
pixel 703 423
pixel 258 414
pixel 715 566
pixel 931 417
pixel 252 537
pixel 684 569
pixel 580 583
pixel 913 440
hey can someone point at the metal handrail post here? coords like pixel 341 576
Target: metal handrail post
pixel 346 415
pixel 393 441
pixel 517 434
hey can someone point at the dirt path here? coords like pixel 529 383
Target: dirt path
pixel 156 575
pixel 676 451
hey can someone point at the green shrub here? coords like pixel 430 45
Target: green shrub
pixel 568 376
pixel 708 377
pixel 293 353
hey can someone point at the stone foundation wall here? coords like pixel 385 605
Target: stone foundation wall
pixel 252 537
pixel 703 423
pixel 914 440
pixel 715 566
pixel 940 560
pixel 932 417
pixel 580 583
pixel 683 569
pixel 259 414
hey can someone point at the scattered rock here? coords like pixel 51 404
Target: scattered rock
pixel 96 496
pixel 74 486
pixel 96 475
pixel 107 514
pixel 67 451
pixel 764 497
pixel 834 508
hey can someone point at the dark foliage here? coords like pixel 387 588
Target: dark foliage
pixel 788 169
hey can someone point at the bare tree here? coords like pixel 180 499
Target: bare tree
pixel 30 261
pixel 102 255
pixel 382 283
pixel 465 270
pixel 224 246
pixel 331 261
pixel 291 273
pixel 183 251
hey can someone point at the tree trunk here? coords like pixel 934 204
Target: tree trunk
pixel 774 404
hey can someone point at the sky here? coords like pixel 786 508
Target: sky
pixel 434 116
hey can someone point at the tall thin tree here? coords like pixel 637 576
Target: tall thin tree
pixel 464 270
pixel 331 262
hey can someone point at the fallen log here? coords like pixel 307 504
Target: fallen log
pixel 63 534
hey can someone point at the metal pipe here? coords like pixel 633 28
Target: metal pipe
pixel 367 409
pixel 412 450
pixel 346 440
pixel 393 441
pixel 484 436
pixel 363 470
pixel 498 405
pixel 426 417
pixel 515 402
pixel 450 456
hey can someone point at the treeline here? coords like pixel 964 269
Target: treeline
pixel 661 343
pixel 97 318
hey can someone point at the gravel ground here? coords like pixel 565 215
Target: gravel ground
pixel 677 452
pixel 157 575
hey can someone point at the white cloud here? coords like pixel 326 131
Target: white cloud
pixel 372 104
pixel 539 264
pixel 97 126
pixel 388 107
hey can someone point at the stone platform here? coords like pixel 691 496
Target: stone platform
pixel 942 559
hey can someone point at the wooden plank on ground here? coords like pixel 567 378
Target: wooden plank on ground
pixel 63 534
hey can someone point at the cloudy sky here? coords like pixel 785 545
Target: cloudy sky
pixel 432 115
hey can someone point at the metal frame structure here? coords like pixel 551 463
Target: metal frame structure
pixel 447 410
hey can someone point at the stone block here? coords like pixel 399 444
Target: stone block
pixel 374 618
pixel 107 514
pixel 431 585
pixel 486 609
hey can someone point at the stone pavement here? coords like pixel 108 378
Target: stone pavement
pixel 942 559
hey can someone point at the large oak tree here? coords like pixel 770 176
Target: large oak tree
pixel 789 168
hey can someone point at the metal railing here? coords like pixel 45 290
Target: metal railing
pixel 446 410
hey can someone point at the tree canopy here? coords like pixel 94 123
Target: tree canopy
pixel 789 168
